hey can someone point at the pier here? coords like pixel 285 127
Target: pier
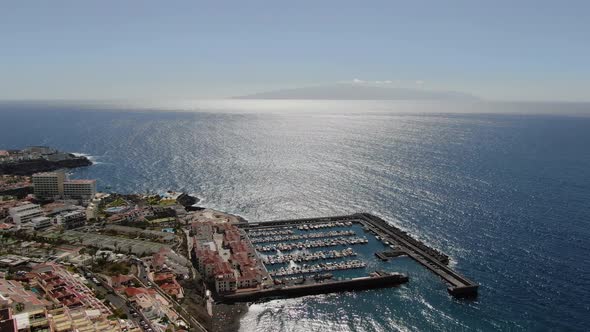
pixel 379 280
pixel 460 286
pixel 404 244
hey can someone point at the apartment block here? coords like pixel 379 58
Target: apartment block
pixel 56 185
pixel 23 215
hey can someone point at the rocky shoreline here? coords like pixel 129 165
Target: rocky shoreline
pixel 29 167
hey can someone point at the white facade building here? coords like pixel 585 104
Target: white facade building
pixel 49 184
pixel 72 219
pixel 56 185
pixel 39 223
pixel 24 214
pixel 84 189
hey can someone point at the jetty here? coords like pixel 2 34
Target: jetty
pixel 377 280
pixel 433 260
pixel 404 244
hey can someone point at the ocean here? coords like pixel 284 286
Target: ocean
pixel 502 188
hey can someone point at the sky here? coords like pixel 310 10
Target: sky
pixel 498 50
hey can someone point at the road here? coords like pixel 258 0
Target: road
pixel 119 302
pixel 143 279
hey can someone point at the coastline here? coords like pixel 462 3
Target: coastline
pixel 228 317
pixel 29 167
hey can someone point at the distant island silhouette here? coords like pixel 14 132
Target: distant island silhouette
pixel 359 92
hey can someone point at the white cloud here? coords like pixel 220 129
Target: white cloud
pixel 408 83
pixel 359 81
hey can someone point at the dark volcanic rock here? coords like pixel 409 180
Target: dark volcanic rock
pixel 194 208
pixel 29 167
pixel 186 200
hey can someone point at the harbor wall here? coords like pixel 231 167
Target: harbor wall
pixel 356 284
pixel 430 258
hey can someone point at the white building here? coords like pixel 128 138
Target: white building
pixel 72 219
pixel 24 214
pixel 39 223
pixel 83 189
pixel 56 185
pixel 49 184
pixel 92 211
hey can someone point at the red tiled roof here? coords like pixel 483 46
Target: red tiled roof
pixel 120 279
pixel 163 276
pixel 133 291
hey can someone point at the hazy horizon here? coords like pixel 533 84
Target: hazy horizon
pixel 505 51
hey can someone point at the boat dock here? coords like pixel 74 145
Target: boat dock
pixel 321 243
pixel 430 258
pixel 318 268
pixel 308 257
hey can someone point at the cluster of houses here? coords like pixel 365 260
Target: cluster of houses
pixel 162 272
pixel 14 182
pixel 50 298
pixel 225 257
pixel 33 153
pixel 22 214
pixel 71 204
pixel 136 213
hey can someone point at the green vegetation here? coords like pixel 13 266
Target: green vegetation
pixel 111 268
pixel 167 202
pixel 51 238
pixel 117 202
pixel 159 220
pixel 117 314
pixel 153 200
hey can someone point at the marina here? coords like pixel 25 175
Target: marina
pixel 285 246
pixel 308 257
pixel 280 238
pixel 394 243
pixel 270 233
pixel 306 227
pixel 318 268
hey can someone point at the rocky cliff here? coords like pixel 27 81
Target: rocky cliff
pixel 28 167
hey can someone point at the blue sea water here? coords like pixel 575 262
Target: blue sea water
pixel 504 189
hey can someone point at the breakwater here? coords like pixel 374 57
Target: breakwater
pixel 428 257
pixel 380 280
pixel 460 286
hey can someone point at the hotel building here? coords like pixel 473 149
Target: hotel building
pixel 57 185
